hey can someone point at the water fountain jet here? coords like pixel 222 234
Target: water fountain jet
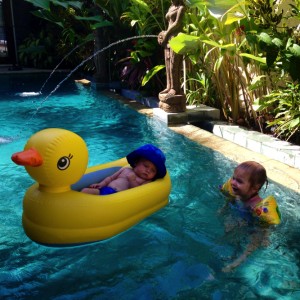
pixel 33 94
pixel 74 70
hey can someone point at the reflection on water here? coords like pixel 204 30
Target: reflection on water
pixel 4 140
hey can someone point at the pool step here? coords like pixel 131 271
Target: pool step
pixel 192 114
pixel 151 102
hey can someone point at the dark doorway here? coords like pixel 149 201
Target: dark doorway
pixel 7 34
pixel 16 22
pixel 3 36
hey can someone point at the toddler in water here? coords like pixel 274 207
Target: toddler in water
pixel 148 164
pixel 243 198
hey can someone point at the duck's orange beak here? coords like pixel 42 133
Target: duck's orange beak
pixel 30 157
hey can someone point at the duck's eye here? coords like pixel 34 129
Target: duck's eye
pixel 64 162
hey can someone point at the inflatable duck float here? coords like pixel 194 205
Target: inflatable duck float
pixel 56 213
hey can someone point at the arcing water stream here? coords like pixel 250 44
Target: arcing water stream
pixel 70 73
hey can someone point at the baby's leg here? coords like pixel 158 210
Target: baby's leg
pixel 90 191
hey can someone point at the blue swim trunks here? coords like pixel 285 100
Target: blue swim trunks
pixel 106 190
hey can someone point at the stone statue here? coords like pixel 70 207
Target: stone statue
pixel 172 98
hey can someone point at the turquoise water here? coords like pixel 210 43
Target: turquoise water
pixel 177 253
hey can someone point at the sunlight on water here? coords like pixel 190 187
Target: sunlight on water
pixel 177 253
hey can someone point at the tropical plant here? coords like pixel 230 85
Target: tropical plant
pixel 143 63
pixel 134 66
pixel 99 21
pixel 147 16
pixel 77 22
pixel 105 61
pixel 215 44
pixel 197 90
pixel 284 104
pixel 276 40
pixel 232 46
pixel 37 51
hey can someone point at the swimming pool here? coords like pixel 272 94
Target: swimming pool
pixel 177 253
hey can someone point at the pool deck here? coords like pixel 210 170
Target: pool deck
pixel 277 171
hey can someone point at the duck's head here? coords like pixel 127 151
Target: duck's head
pixel 55 158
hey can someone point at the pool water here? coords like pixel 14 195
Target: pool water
pixel 177 253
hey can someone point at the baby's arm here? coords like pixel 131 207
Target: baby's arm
pixel 107 180
pixel 249 249
pixel 258 239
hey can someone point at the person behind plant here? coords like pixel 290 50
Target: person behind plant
pixel 173 60
pixel 243 198
pixel 147 164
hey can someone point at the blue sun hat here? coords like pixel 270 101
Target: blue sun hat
pixel 151 153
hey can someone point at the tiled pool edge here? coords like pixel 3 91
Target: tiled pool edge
pixel 277 171
pixel 272 147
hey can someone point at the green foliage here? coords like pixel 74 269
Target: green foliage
pixel 112 10
pixel 243 46
pixel 198 90
pixel 263 12
pixel 138 69
pixel 38 51
pixel 142 67
pixel 285 105
pixel 216 47
pixel 47 8
pixel 44 4
pixel 149 74
pixel 76 19
pixel 281 51
pixel 146 16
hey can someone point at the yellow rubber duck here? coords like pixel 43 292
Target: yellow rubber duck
pixel 55 158
pixel 55 213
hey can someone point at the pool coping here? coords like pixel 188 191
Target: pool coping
pixel 277 171
pixel 8 69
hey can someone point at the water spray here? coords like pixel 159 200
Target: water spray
pixel 71 72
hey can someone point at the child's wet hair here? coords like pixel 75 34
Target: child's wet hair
pixel 257 173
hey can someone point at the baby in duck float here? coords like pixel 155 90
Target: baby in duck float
pixel 147 164
pixel 242 191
